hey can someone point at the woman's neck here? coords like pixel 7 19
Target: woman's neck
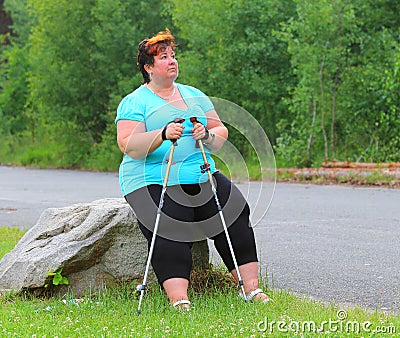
pixel 165 92
pixel 161 88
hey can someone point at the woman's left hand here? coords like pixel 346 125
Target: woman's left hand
pixel 198 131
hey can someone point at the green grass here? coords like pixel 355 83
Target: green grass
pixel 215 313
pixel 9 237
pixel 353 178
pixel 251 170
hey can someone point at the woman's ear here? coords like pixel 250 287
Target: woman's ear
pixel 147 68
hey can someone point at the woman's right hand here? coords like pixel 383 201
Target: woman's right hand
pixel 174 131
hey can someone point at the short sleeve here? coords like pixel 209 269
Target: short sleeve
pixel 207 104
pixel 130 109
pixel 199 97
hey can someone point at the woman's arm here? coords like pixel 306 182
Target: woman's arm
pixel 134 140
pixel 215 125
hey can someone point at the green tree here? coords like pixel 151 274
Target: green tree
pixel 319 42
pixel 321 77
pixel 13 73
pixel 346 102
pixel 65 83
pixel 121 26
pixel 373 84
pixel 83 61
pixel 6 21
pixel 230 51
pixel 13 89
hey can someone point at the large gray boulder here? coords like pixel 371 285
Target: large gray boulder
pixel 96 244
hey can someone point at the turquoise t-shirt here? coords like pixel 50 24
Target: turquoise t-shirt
pixel 144 106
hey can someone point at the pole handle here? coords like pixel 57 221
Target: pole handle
pixel 206 166
pixel 176 120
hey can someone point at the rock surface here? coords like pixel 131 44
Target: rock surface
pixel 95 244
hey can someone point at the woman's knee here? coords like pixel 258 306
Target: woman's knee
pixel 171 259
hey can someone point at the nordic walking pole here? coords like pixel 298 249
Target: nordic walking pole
pixel 142 287
pixel 206 167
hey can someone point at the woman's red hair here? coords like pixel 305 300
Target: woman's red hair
pixel 148 48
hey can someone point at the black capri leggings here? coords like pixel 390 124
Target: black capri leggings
pixel 190 214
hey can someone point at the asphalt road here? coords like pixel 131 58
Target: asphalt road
pixel 334 243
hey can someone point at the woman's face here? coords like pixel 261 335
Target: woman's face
pixel 165 65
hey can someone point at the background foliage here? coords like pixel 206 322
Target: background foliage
pixel 321 77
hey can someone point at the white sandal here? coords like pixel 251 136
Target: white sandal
pixel 252 294
pixel 180 302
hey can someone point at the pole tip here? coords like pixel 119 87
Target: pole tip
pixel 138 312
